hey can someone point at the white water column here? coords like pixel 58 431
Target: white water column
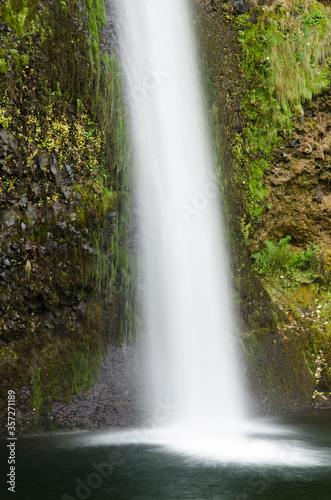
pixel 187 300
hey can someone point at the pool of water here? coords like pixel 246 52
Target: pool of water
pixel 285 459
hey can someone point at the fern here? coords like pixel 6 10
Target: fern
pixel 301 266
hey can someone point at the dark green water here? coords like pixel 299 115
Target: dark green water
pixel 92 466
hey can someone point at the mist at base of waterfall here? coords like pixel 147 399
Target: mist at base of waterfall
pixel 270 459
pixel 259 442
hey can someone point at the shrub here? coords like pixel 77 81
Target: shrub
pixel 301 266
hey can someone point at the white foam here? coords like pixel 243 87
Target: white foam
pixel 254 443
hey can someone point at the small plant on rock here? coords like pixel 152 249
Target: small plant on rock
pixel 301 266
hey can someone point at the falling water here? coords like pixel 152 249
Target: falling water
pixel 187 298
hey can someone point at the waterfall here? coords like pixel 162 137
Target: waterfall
pixel 187 298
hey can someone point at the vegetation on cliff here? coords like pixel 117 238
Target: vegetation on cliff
pixel 271 76
pixel 65 280
pixel 283 151
pixel 286 61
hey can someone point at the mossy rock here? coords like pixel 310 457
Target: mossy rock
pixel 68 286
pixel 19 13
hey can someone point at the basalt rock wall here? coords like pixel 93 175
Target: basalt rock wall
pixel 67 244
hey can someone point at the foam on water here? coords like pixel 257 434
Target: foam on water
pixel 256 443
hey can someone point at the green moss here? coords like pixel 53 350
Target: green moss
pixel 36 399
pixel 106 60
pixel 78 372
pixel 19 14
pixel 71 366
pixel 72 262
pixel 285 62
pixel 3 66
pixel 98 11
pixel 283 366
pixel 102 13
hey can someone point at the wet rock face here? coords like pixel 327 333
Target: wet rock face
pixel 115 401
pixel 241 5
pixel 63 249
pixel 9 143
pixel 47 257
pixel 205 3
pixel 300 182
pixel 25 193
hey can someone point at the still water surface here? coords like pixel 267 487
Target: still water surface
pixel 141 466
